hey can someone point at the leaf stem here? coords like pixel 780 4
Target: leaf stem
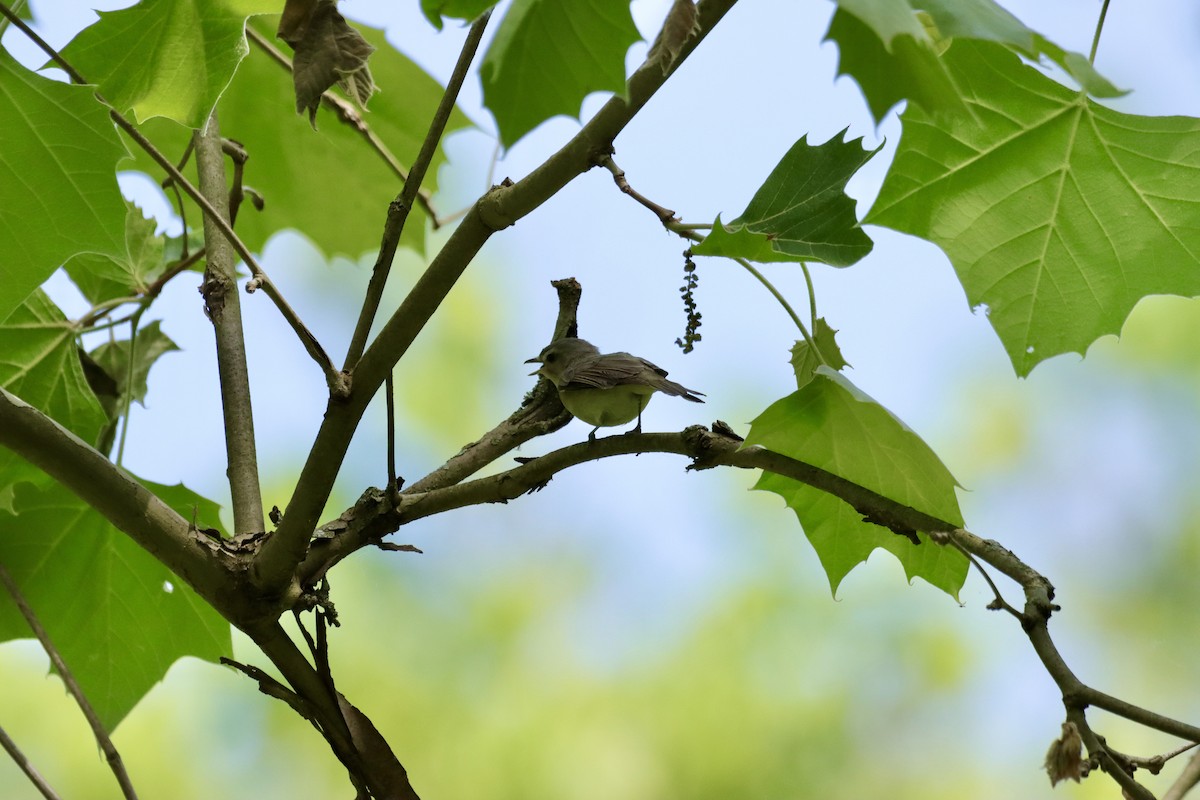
pixel 127 395
pixel 812 295
pixel 1096 36
pixel 686 231
pixel 399 208
pixel 68 678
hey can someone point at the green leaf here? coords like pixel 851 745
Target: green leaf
pixel 58 185
pixel 888 53
pixel 801 212
pixel 166 58
pixel 830 424
pixel 548 55
pixel 39 363
pixel 1058 214
pixel 113 358
pixel 328 184
pixel 805 361
pixel 891 50
pixel 434 10
pixel 987 21
pixel 118 617
pixel 103 278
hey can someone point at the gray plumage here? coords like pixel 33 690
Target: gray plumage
pixel 604 389
pixel 579 364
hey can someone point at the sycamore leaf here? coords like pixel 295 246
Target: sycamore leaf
pixel 987 21
pixel 805 361
pixel 801 212
pixel 58 185
pixel 166 58
pixel 434 10
pixel 288 159
pixel 1058 214
pixel 116 614
pixel 113 357
pixel 831 424
pixel 102 278
pixel 891 51
pixel 548 55
pixel 39 363
pixel 889 54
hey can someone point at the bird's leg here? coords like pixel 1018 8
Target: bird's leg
pixel 592 435
pixel 638 428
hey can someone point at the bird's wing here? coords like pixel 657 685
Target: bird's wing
pixel 607 371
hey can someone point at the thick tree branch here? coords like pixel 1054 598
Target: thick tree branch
pixel 501 207
pixel 124 502
pixel 223 305
pixel 111 755
pixel 398 210
pixel 353 739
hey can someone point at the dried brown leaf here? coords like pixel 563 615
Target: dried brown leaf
pixel 1064 759
pixel 328 51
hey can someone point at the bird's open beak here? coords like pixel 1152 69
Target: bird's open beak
pixel 535 360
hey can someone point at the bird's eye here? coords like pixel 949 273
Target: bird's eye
pixel 549 359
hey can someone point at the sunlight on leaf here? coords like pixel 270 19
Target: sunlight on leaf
pixel 831 424
pixel 1058 214
pixel 103 278
pixel 166 58
pixel 805 361
pixel 288 159
pixel 58 184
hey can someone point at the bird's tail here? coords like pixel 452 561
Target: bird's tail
pixel 672 388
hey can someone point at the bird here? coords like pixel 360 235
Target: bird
pixel 604 389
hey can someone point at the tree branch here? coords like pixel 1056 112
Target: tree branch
pixel 124 502
pixel 68 678
pixel 501 207
pixel 349 115
pixel 223 306
pixel 399 208
pixel 20 759
pixel 211 214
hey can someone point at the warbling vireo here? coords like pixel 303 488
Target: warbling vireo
pixel 604 390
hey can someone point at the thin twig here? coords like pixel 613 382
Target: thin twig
pixel 102 737
pixel 998 602
pixel 23 762
pixel 276 561
pixel 399 208
pixel 1188 778
pixel 314 349
pixel 349 115
pixel 667 217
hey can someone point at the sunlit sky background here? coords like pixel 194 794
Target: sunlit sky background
pixel 1087 469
